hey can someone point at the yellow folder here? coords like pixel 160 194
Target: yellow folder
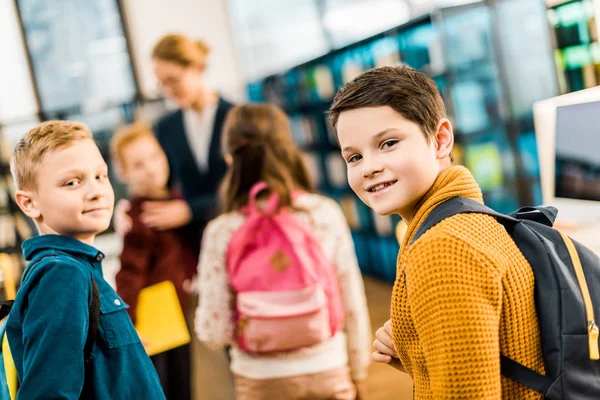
pixel 160 321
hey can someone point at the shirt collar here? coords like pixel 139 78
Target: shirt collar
pixel 67 244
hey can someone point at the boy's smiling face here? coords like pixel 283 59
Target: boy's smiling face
pixel 73 196
pixel 390 163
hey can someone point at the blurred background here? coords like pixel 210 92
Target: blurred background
pixel 512 73
pixel 492 60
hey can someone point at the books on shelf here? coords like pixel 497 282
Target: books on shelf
pixel 10 185
pixel 3 194
pixel 8 234
pixel 458 154
pixel 485 163
pixel 351 67
pixel 383 224
pixel 350 211
pixel 336 170
pixel 325 85
pixel 386 52
pixel 313 163
pixel 528 153
pixel 470 107
pixel 468 76
pixel 22 228
pixel 304 130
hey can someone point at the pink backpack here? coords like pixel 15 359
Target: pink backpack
pixel 287 295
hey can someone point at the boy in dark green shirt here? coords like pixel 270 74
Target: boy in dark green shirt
pixel 62 184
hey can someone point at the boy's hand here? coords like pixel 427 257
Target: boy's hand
pixel 122 220
pixel 384 346
pixel 163 215
pixel 385 350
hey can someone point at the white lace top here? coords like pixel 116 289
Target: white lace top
pixel 214 321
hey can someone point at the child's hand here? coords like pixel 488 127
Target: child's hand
pixel 122 221
pixel 163 215
pixel 384 346
pixel 190 286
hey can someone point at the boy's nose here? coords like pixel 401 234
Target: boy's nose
pixel 370 167
pixel 96 190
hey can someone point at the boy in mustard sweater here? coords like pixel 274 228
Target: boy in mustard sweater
pixel 464 293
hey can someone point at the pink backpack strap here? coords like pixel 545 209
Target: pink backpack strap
pixel 254 214
pixel 272 201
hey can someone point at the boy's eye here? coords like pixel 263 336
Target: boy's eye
pixel 388 143
pixel 102 177
pixel 72 182
pixel 353 158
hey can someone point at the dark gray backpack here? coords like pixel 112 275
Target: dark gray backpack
pixel 567 296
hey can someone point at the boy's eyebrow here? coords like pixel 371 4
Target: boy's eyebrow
pixel 76 171
pixel 374 138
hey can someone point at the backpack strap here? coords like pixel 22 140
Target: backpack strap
pixel 525 376
pixel 460 205
pixel 272 202
pixel 94 319
pixel 545 215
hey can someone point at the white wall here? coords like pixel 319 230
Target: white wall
pixel 206 19
pixel 17 100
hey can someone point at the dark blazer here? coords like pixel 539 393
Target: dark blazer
pixel 198 187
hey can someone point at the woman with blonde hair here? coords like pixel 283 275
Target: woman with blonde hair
pixel 190 136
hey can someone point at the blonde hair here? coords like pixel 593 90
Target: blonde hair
pixel 181 50
pixel 46 137
pixel 259 139
pixel 125 137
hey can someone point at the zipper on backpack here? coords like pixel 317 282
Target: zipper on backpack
pixel 593 330
pixel 593 333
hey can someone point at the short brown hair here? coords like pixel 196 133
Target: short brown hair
pixel 30 150
pixel 125 136
pixel 410 93
pixel 259 139
pixel 181 50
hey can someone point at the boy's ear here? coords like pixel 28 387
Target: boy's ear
pixel 26 202
pixel 444 138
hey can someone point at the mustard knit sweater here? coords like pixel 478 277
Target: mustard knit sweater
pixel 463 295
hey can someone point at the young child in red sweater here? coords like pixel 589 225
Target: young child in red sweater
pixel 151 256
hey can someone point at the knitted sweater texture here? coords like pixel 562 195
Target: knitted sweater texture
pixel 464 294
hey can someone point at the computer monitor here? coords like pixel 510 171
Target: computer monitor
pixel 568 142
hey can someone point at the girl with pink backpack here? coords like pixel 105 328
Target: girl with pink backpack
pixel 278 277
